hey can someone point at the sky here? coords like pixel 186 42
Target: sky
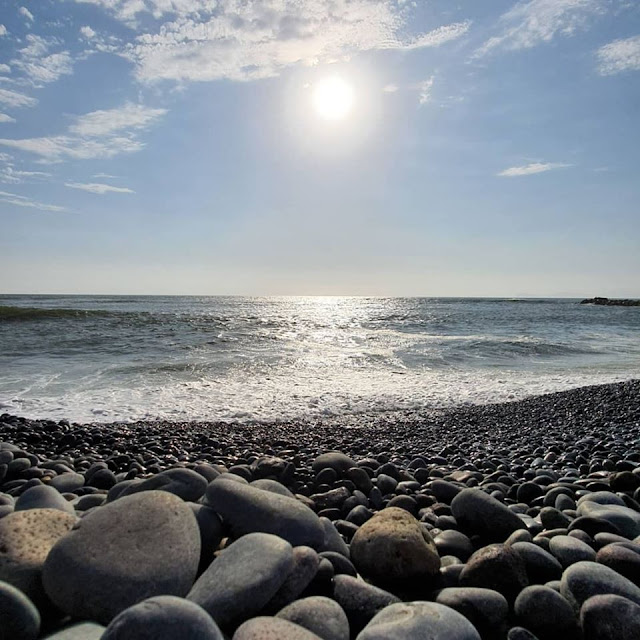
pixel 182 147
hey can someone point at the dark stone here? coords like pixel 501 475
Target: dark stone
pixel 610 617
pixel 242 580
pixel 546 613
pixel 163 618
pixel 479 514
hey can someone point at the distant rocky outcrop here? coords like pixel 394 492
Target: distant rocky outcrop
pixel 606 302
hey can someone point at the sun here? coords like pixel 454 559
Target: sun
pixel 333 98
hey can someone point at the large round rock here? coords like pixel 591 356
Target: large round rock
pixel 19 617
pixel 140 546
pixel 417 621
pixel 393 547
pixel 320 615
pixel 610 617
pixel 335 460
pixel 163 618
pixel 267 628
pixel 26 537
pixel 583 580
pixel 246 509
pixel 242 580
pixel 478 513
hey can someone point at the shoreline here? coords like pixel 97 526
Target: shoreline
pixel 576 410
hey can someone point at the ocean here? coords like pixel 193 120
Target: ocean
pixel 126 358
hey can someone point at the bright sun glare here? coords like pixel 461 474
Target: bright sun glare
pixel 332 98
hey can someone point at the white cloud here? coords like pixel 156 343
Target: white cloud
pixel 15 99
pixel 6 118
pixel 3 30
pixel 204 40
pixel 96 187
pixel 38 64
pixel 103 122
pixel 531 169
pixel 439 36
pixel 99 134
pixel 530 23
pixel 103 176
pixel 11 175
pixel 619 55
pixel 424 90
pixel 391 88
pixel 23 11
pixel 23 201
pixel 87 32
pixel 5 68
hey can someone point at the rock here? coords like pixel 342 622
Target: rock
pixel 184 483
pixel 546 613
pixel 359 600
pixel 305 566
pixel 487 610
pixel 43 497
pixel 453 543
pixel 583 580
pixel 541 566
pixel 79 631
pixel 496 567
pixel 621 558
pixel 19 618
pixel 332 539
pixel 320 615
pixel 272 485
pixel 26 537
pixel 626 520
pixel 211 532
pixel 602 497
pixel 163 618
pixel 246 510
pixel 444 491
pixel 266 628
pixel 569 550
pixel 243 578
pixel 121 553
pixel 610 617
pixel 67 482
pixel 335 460
pixel 477 513
pixel 340 563
pixel 417 621
pixel 393 547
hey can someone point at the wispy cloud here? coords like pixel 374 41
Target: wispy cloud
pixel 97 187
pixel 23 201
pixel 3 30
pixel 15 99
pixel 104 122
pixel 5 68
pixel 23 11
pixel 619 55
pixel 10 175
pixel 424 90
pixel 38 64
pixel 207 40
pixel 530 23
pixel 391 88
pixel 6 118
pixel 99 134
pixel 531 169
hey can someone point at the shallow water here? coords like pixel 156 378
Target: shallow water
pixel 101 358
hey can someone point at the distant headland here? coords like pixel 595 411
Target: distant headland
pixel 606 302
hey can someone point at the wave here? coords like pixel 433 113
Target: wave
pixel 8 313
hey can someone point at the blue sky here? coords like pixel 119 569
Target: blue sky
pixel 172 147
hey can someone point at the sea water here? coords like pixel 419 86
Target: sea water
pixel 104 358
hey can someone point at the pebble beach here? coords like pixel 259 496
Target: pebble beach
pixel 518 520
